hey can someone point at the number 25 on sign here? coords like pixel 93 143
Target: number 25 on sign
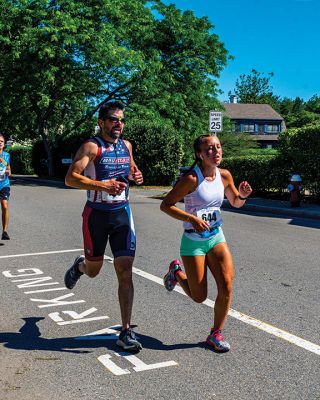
pixel 215 121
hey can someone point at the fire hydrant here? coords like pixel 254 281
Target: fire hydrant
pixel 295 189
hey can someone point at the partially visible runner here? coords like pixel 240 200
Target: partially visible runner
pixel 203 243
pixel 108 164
pixel 5 173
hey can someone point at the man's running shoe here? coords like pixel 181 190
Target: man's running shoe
pixel 5 236
pixel 217 341
pixel 170 279
pixel 128 341
pixel 73 274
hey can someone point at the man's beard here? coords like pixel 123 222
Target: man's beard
pixel 112 134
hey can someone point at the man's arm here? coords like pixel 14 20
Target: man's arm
pixel 135 173
pixel 74 177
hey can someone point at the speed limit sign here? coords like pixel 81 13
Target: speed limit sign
pixel 215 121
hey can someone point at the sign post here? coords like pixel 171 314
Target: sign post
pixel 215 121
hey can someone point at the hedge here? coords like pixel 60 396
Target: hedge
pixel 21 160
pixel 264 173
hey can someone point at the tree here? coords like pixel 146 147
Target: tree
pixel 298 113
pixel 255 88
pixel 61 59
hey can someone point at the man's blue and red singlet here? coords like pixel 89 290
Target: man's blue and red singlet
pixel 112 161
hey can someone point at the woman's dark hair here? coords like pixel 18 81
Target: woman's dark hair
pixel 110 106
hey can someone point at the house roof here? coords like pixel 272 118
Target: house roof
pixel 251 111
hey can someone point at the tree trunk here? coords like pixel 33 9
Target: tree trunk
pixel 48 147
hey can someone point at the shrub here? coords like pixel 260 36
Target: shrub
pixel 264 173
pixel 21 160
pixel 157 150
pixel 300 149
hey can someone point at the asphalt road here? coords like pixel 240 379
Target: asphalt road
pixel 55 344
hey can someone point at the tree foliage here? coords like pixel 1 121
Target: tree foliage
pixel 61 59
pixel 255 88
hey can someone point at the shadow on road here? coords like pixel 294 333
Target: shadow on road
pixel 35 182
pixel 298 221
pixel 29 338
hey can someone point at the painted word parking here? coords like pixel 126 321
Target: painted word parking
pixel 34 283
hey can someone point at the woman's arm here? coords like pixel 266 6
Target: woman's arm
pixel 185 185
pixel 236 197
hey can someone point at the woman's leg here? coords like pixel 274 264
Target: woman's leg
pixel 194 280
pixel 220 263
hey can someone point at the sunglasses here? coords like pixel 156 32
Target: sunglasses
pixel 116 119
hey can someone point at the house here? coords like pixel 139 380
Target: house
pixel 260 120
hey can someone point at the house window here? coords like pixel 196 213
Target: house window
pixel 248 128
pixel 272 128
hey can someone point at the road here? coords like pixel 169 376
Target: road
pixel 59 344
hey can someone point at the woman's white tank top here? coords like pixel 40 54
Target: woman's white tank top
pixel 208 194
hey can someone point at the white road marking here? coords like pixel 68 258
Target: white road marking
pixel 40 254
pixel 305 344
pixel 314 348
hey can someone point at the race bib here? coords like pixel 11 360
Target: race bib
pixel 108 198
pixel 211 215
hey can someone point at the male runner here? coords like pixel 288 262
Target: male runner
pixel 108 164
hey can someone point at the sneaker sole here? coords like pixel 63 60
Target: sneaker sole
pixel 65 275
pixel 214 346
pixel 169 289
pixel 133 347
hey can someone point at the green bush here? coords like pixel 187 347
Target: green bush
pixel 300 148
pixel 157 150
pixel 264 173
pixel 21 160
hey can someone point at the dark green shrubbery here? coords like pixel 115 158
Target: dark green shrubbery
pixel 300 148
pixel 157 150
pixel 264 173
pixel 21 160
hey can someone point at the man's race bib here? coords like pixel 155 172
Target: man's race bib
pixel 108 198
pixel 212 215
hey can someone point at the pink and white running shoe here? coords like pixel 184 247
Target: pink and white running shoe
pixel 217 341
pixel 170 279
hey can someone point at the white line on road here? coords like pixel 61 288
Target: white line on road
pixel 312 347
pixel 40 254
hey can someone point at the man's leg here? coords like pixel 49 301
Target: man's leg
pixel 127 338
pixel 90 268
pixel 123 267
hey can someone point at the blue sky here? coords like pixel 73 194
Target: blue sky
pixel 279 36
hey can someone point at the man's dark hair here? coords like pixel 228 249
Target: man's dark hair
pixel 105 109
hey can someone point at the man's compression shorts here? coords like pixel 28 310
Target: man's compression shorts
pixel 99 226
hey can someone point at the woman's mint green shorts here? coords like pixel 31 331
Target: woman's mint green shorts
pixel 189 247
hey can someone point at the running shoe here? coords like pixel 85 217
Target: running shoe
pixel 5 236
pixel 73 274
pixel 170 279
pixel 128 340
pixel 217 341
